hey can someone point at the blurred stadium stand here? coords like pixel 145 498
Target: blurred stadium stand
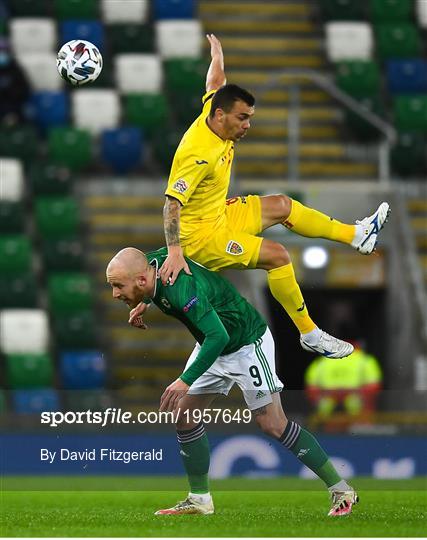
pixel 82 175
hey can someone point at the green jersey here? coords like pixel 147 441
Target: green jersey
pixel 216 314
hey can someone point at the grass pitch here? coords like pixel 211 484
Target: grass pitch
pixel 270 507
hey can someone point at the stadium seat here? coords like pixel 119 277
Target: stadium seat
pixel 75 330
pixel 122 148
pixel 95 110
pixel 360 128
pixel 123 11
pixel 50 108
pixel 342 10
pixel 76 9
pixel 187 108
pixel 42 32
pixel 391 10
pixel 3 404
pixel 64 254
pixel 138 73
pixel 70 147
pixel 56 216
pixel 47 178
pixel 19 141
pixel 398 40
pixel 409 155
pixel 69 292
pixel 82 370
pixel 35 401
pixel 90 30
pixel 23 331
pixel 358 78
pixel 11 217
pixel 407 76
pixel 164 146
pixel 179 39
pixel 29 370
pixel 40 68
pixel 349 41
pixel 421 10
pixel 83 400
pixel 19 290
pixel 28 8
pixel 12 176
pixel 15 254
pixel 410 113
pixel 173 9
pixel 186 75
pixel 131 38
pixel 148 111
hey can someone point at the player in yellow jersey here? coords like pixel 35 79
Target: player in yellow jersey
pixel 202 224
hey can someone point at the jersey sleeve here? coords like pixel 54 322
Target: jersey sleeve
pixel 196 308
pixel 192 166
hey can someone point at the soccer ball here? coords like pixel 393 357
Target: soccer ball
pixel 79 62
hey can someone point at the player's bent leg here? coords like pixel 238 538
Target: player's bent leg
pixel 194 450
pixel 275 209
pixel 283 285
pixel 305 447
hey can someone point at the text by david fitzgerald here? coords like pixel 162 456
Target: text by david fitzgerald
pixel 100 454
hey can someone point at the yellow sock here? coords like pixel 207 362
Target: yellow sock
pixel 309 222
pixel 285 289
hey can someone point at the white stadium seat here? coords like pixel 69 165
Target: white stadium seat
pixel 95 110
pixel 33 35
pixel 41 71
pixel 138 73
pixel 11 180
pixel 422 13
pixel 123 11
pixel 179 38
pixel 349 41
pixel 24 331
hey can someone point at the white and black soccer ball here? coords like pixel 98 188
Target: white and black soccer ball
pixel 79 62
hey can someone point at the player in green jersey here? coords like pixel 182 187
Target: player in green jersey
pixel 234 345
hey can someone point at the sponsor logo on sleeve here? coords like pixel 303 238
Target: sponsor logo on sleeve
pixel 180 186
pixel 234 248
pixel 190 304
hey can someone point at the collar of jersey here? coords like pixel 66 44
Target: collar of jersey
pixel 212 133
pixel 155 264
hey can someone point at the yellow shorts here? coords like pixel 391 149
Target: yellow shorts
pixel 234 245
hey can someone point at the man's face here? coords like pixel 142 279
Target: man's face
pixel 128 289
pixel 237 122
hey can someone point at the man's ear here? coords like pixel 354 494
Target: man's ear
pixel 141 280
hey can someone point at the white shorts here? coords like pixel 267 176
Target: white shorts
pixel 252 367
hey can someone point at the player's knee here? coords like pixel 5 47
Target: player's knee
pixel 284 204
pixel 270 426
pixel 279 256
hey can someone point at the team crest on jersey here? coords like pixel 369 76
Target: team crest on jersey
pixel 234 248
pixel 165 302
pixel 180 186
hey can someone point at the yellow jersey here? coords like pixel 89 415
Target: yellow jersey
pixel 200 177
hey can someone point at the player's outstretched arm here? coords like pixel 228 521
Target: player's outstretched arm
pixel 175 261
pixel 215 77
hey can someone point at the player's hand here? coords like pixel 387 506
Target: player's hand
pixel 173 265
pixel 135 316
pixel 171 396
pixel 216 48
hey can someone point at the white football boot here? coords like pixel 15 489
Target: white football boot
pixel 328 346
pixel 343 502
pixel 367 229
pixel 190 506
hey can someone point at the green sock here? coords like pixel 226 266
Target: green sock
pixel 306 448
pixel 196 457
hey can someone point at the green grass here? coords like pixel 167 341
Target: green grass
pixel 287 507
